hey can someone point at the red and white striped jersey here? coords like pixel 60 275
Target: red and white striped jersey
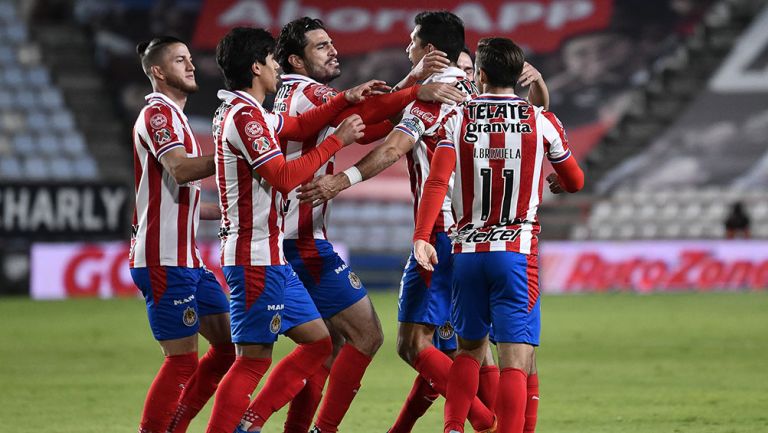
pixel 167 214
pixel 421 121
pixel 298 95
pixel 245 136
pixel 500 143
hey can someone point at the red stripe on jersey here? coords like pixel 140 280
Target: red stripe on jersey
pixel 181 225
pixel 532 271
pixel 244 212
pixel 255 277
pixel 158 281
pixel 310 257
pixel 155 185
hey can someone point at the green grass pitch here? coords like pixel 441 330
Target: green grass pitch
pixel 683 363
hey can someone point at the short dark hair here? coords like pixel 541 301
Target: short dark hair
pixel 442 29
pixel 150 52
pixel 293 40
pixel 238 50
pixel 501 60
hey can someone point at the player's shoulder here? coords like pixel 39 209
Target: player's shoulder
pixel 318 93
pixel 548 116
pixel 157 114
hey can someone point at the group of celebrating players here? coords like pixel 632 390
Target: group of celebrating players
pixel 475 161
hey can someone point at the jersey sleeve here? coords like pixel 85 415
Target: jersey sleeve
pixel 447 131
pixel 418 118
pixel 250 135
pixel 435 188
pixel 165 131
pixel 555 140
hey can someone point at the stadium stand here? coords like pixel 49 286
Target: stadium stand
pixel 40 138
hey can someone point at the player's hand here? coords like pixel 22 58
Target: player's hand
pixel 528 75
pixel 554 183
pixel 445 93
pixel 323 188
pixel 358 93
pixel 432 62
pixel 425 254
pixel 350 129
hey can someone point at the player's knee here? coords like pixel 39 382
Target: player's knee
pixel 409 346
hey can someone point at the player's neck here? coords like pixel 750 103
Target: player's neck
pixel 177 96
pixel 258 93
pixel 493 90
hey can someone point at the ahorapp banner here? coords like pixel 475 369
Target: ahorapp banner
pixel 384 24
pixel 653 266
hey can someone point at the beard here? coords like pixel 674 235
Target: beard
pixel 180 84
pixel 323 74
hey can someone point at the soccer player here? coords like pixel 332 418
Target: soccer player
pixel 182 297
pixel 424 305
pixel 495 144
pixel 306 54
pixel 267 297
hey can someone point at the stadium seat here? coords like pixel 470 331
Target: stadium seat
pixel 85 168
pixel 49 144
pixel 62 121
pixel 74 144
pixel 51 98
pixel 10 168
pixel 24 144
pixel 35 168
pixel 62 168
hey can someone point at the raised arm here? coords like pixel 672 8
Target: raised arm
pixel 538 94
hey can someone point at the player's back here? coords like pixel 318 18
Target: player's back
pixel 167 214
pixel 421 120
pixel 297 95
pixel 500 143
pixel 244 135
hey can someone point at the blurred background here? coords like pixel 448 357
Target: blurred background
pixel 665 103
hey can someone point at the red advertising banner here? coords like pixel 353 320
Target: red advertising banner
pixel 357 27
pixel 654 266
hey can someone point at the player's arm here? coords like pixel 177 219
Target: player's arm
pixel 306 125
pixel 435 188
pixel 286 175
pixel 209 211
pixel 383 107
pixel 568 175
pixel 376 132
pixel 431 63
pixel 184 169
pixel 324 188
pixel 538 94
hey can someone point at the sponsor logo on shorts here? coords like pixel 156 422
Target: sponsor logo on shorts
pixel 340 268
pixel 190 316
pixel 354 280
pixel 446 331
pixel 274 325
pixel 276 307
pixel 253 129
pixel 158 120
pixel 186 300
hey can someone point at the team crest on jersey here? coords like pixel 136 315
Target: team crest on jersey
pixel 354 280
pixel 162 136
pixel 189 317
pixel 253 129
pixel 158 120
pixel 324 93
pixel 261 145
pixel 274 325
pixel 446 331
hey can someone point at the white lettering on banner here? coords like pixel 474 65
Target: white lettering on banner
pixel 16 208
pixel 113 200
pixel 739 72
pixel 477 16
pixel 68 203
pixel 42 214
pixel 654 266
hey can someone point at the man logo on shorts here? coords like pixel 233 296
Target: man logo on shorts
pixel 446 331
pixel 274 325
pixel 354 280
pixel 190 316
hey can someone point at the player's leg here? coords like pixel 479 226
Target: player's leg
pixel 302 324
pixel 532 397
pixel 489 379
pixel 256 301
pixel 214 326
pixel 173 318
pixel 515 311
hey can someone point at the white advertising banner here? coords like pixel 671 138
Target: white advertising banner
pixel 653 266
